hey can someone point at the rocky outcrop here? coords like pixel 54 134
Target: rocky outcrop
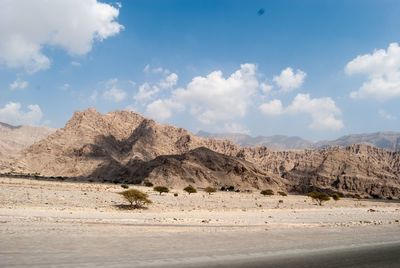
pixel 201 167
pixel 16 138
pixel 124 146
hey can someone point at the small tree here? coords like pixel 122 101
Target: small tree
pixel 161 189
pixel 336 197
pixel 136 198
pixel 210 190
pixel 267 192
pixel 282 193
pixel 190 189
pixel 148 184
pixel 319 197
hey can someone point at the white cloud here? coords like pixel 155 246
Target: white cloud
pixel 113 93
pixel 385 115
pixel 65 87
pixel 27 26
pixel 169 81
pixel 266 88
pixel 18 84
pixel 323 111
pixel 158 70
pixel 148 91
pixel 93 96
pixel 289 80
pixel 12 114
pixel 273 107
pixel 162 109
pixel 75 64
pixel 235 128
pixel 382 68
pixel 212 100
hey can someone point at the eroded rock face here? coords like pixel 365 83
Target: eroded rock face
pixel 125 146
pixel 360 169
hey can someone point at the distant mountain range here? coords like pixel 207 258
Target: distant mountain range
pixel 385 140
pixel 125 147
pixel 16 138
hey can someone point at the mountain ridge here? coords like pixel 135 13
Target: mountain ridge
pixel 124 146
pixel 389 140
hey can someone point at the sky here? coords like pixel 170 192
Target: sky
pixel 318 69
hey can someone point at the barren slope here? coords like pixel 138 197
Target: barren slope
pixel 124 146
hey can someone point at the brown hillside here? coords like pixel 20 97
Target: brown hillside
pixel 124 146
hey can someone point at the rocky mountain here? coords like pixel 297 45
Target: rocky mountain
pixel 386 140
pixel 126 147
pixel 16 138
pixel 357 169
pixel 91 140
pixel 201 167
pixel 276 142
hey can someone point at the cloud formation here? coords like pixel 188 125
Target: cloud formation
pixel 323 111
pixel 113 92
pixel 212 99
pixel 13 114
pixel 18 84
pixel 382 68
pixel 26 27
pixel 386 115
pixel 273 107
pixel 147 91
pixel 289 80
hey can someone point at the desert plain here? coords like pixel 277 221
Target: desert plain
pixel 75 224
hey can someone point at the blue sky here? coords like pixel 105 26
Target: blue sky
pixel 205 65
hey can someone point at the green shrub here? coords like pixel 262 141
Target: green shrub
pixel 231 188
pixel 282 193
pixel 267 192
pixel 335 197
pixel 124 186
pixel 148 184
pixel 161 189
pixel 136 198
pixel 190 189
pixel 319 197
pixel 210 190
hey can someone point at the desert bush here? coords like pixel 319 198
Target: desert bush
pixel 231 188
pixel 161 189
pixel 282 193
pixel 335 197
pixel 267 192
pixel 319 197
pixel 210 190
pixel 175 194
pixel 148 184
pixel 190 189
pixel 136 198
pixel 124 186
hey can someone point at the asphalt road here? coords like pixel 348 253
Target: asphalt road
pixel 121 246
pixel 372 256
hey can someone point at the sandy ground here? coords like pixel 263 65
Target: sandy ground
pixel 63 224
